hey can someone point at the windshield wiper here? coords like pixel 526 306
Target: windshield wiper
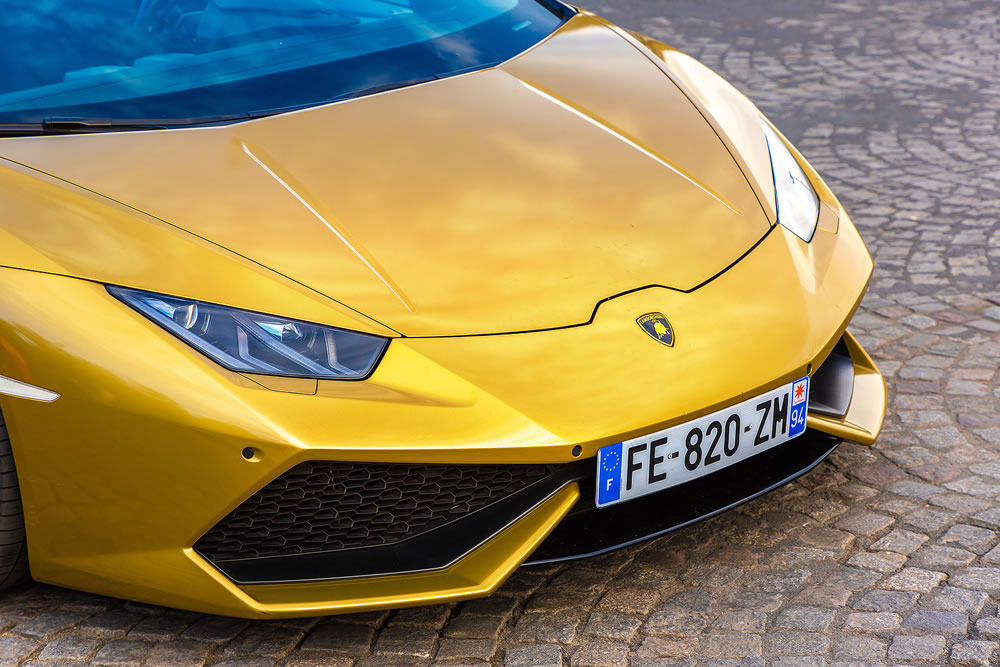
pixel 91 125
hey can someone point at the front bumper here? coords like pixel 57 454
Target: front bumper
pixel 141 457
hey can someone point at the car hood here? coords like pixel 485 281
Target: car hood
pixel 509 199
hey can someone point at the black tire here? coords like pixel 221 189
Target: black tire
pixel 13 542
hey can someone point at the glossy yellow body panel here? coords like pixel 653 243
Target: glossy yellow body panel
pixel 525 198
pixel 53 227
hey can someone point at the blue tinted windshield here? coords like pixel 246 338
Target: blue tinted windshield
pixel 190 59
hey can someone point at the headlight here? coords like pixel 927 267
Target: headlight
pixel 796 201
pixel 250 342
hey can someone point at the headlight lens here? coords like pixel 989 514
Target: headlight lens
pixel 250 342
pixel 794 196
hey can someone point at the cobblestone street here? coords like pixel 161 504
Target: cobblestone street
pixel 882 555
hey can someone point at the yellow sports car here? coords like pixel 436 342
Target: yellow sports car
pixel 317 306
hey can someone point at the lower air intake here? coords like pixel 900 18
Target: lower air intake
pixel 323 506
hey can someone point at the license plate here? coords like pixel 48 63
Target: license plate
pixel 702 446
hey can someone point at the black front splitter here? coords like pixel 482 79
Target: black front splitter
pixel 589 531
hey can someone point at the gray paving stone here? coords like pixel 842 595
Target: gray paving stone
pixel 914 579
pixel 805 618
pixel 561 627
pixel 948 598
pixel 495 605
pixel 340 638
pixel 941 558
pixel 475 626
pixel 48 625
pixel 465 650
pixel 973 538
pixel 990 517
pixel 826 538
pixel 216 629
pixel 780 581
pixel 14 649
pixel 693 600
pixel 960 502
pixel 113 624
pixel 930 519
pixel 664 648
pixel 159 628
pixel 433 616
pixel 179 653
pixel 741 620
pixel 918 648
pixel 122 652
pixel 408 641
pixel 882 561
pixel 799 661
pixel 677 622
pixel 851 578
pixel 894 601
pixel 864 523
pixel 992 557
pixel 612 626
pixel 852 648
pixel 969 653
pixel 948 622
pixel 794 642
pixel 912 489
pixel 600 653
pixel 988 627
pixel 823 596
pixel 985 579
pixel 264 640
pixel 67 650
pixel 534 655
pixel 629 601
pixel 872 621
pixel 253 662
pixel 729 645
pixel 313 659
pixel 900 540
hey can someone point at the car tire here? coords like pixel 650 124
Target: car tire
pixel 13 542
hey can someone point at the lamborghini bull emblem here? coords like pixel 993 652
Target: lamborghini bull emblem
pixel 657 327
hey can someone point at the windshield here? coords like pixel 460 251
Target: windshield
pixel 191 59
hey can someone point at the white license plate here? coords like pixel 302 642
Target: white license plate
pixel 702 446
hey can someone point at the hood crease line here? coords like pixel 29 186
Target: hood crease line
pixel 624 138
pixel 370 263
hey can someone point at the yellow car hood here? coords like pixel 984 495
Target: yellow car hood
pixel 510 199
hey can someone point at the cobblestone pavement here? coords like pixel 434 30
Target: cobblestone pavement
pixel 887 554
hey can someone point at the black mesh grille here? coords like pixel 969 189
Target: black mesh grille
pixel 326 506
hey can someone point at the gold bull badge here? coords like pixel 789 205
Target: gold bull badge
pixel 657 327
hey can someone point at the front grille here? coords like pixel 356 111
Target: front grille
pixel 321 506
